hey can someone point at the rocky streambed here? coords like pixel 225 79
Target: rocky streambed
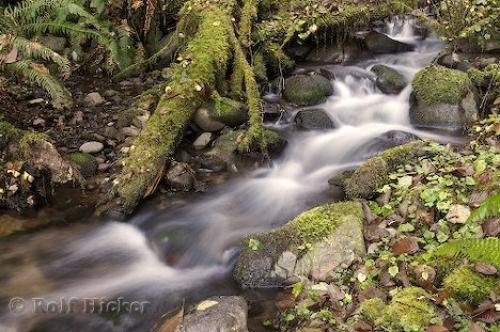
pixel 348 236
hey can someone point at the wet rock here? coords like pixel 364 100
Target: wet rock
pixel 91 147
pixel 180 177
pixel 221 314
pixel 213 163
pixel 334 233
pixel 93 99
pixel 202 141
pixel 86 163
pixel 313 119
pixel 388 140
pixel 307 90
pixel 349 50
pixel 389 80
pixel 230 112
pixel 223 151
pixel 443 98
pixel 203 118
pixel 381 43
pixel 454 61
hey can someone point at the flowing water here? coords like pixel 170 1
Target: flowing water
pixel 187 252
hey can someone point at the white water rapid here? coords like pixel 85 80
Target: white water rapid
pixel 118 259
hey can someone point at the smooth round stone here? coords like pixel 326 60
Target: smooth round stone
pixel 91 147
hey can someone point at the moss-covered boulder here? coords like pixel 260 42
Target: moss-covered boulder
pixel 230 112
pixel 307 90
pixel 389 80
pixel 313 119
pixel 374 173
pixel 316 243
pixel 443 98
pixel 86 163
pixel 410 310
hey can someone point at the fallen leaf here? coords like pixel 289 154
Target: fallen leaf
pixel 407 245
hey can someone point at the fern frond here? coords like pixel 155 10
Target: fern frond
pixel 475 250
pixel 490 208
pixel 30 70
pixel 35 50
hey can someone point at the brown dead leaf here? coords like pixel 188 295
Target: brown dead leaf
pixel 473 327
pixel 171 323
pixel 407 245
pixel 485 269
pixel 437 328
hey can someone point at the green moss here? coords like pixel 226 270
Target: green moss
pixel 374 173
pixel 438 84
pixel 307 90
pixel 469 286
pixel 410 310
pixel 86 163
pixel 373 309
pixel 204 60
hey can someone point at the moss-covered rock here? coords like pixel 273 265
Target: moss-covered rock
pixel 315 243
pixel 230 112
pixel 373 309
pixel 410 310
pixel 378 42
pixel 469 286
pixel 312 119
pixel 87 164
pixel 443 98
pixel 307 90
pixel 374 173
pixel 389 80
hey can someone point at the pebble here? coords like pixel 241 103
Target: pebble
pixel 36 101
pixel 202 141
pixel 91 147
pixel 130 131
pixel 39 122
pixel 93 99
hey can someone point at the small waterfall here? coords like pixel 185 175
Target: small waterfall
pixel 116 259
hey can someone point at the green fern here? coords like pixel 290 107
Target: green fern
pixel 490 208
pixel 475 250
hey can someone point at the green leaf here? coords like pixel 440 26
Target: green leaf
pixel 480 166
pixel 254 244
pixel 393 270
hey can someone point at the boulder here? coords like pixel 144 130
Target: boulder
pixel 374 173
pixel 86 163
pixel 454 61
pixel 307 90
pixel 217 314
pixel 389 80
pixel 93 99
pixel 91 147
pixel 316 243
pixel 222 154
pixel 381 43
pixel 350 50
pixel 443 98
pixel 388 140
pixel 311 119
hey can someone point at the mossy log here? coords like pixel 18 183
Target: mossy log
pixel 194 79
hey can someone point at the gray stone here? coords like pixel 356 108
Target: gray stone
pixel 93 99
pixel 217 314
pixel 381 43
pixel 36 101
pixel 202 141
pixel 312 119
pixel 91 147
pixel 389 80
pixel 307 90
pixel 203 118
pixel 130 131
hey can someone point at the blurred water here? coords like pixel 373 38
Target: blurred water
pixel 116 259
